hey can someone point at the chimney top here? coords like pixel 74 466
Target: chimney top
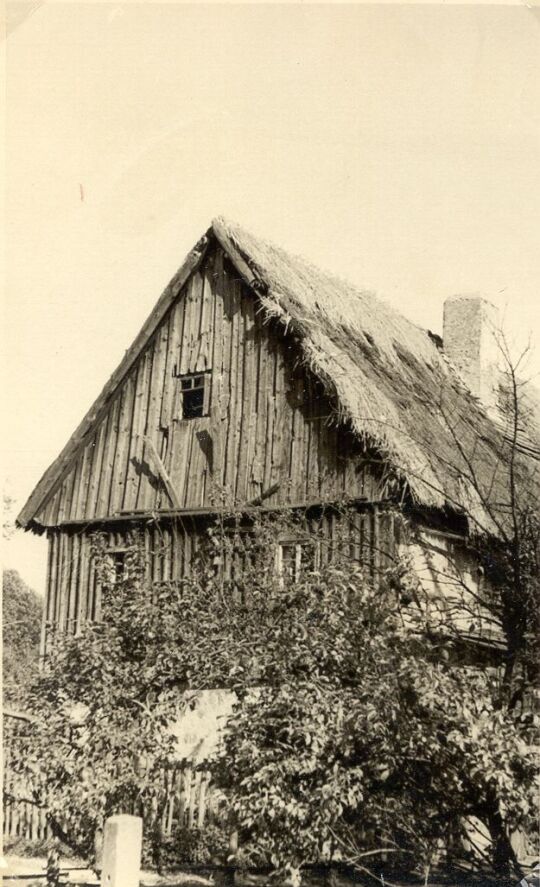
pixel 469 327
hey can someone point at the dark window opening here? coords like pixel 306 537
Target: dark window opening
pixel 117 565
pixel 193 395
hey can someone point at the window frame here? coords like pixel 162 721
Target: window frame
pixel 117 557
pixel 203 377
pixel 301 545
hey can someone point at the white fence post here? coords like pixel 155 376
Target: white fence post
pixel 122 845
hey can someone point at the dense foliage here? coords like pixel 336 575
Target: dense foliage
pixel 21 618
pixel 360 741
pixel 352 739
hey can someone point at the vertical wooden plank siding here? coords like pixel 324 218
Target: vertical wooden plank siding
pixel 267 423
pixel 49 609
pixel 74 583
pixel 84 584
pixel 104 480
pixel 125 431
pixel 366 535
pixel 128 482
pixel 97 467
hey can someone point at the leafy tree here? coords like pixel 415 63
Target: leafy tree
pixel 21 615
pixel 504 527
pixel 350 738
pixel 359 739
pixel 502 610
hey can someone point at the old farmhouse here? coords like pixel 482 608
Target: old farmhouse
pixel 262 376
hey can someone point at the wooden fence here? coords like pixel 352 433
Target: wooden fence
pixel 22 817
pixel 189 798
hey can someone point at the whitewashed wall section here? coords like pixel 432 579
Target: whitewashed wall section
pixel 199 729
pixel 453 588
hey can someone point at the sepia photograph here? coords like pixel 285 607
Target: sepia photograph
pixel 271 444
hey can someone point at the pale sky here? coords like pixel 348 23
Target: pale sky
pixel 398 146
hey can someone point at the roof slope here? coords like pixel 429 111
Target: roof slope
pixel 388 377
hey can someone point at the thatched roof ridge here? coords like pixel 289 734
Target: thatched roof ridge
pixel 306 291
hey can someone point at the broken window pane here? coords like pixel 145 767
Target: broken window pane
pixel 193 395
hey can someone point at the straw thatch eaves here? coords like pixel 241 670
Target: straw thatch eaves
pixel 386 377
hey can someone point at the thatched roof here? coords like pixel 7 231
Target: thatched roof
pixel 390 378
pixel 386 376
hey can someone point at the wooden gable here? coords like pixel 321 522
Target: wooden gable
pixel 267 423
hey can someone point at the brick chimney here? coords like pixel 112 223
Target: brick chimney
pixel 469 340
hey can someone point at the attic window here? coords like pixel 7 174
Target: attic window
pixel 194 395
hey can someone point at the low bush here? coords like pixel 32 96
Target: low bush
pixel 208 845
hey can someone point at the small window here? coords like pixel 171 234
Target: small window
pixel 293 557
pixel 193 394
pixel 117 565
